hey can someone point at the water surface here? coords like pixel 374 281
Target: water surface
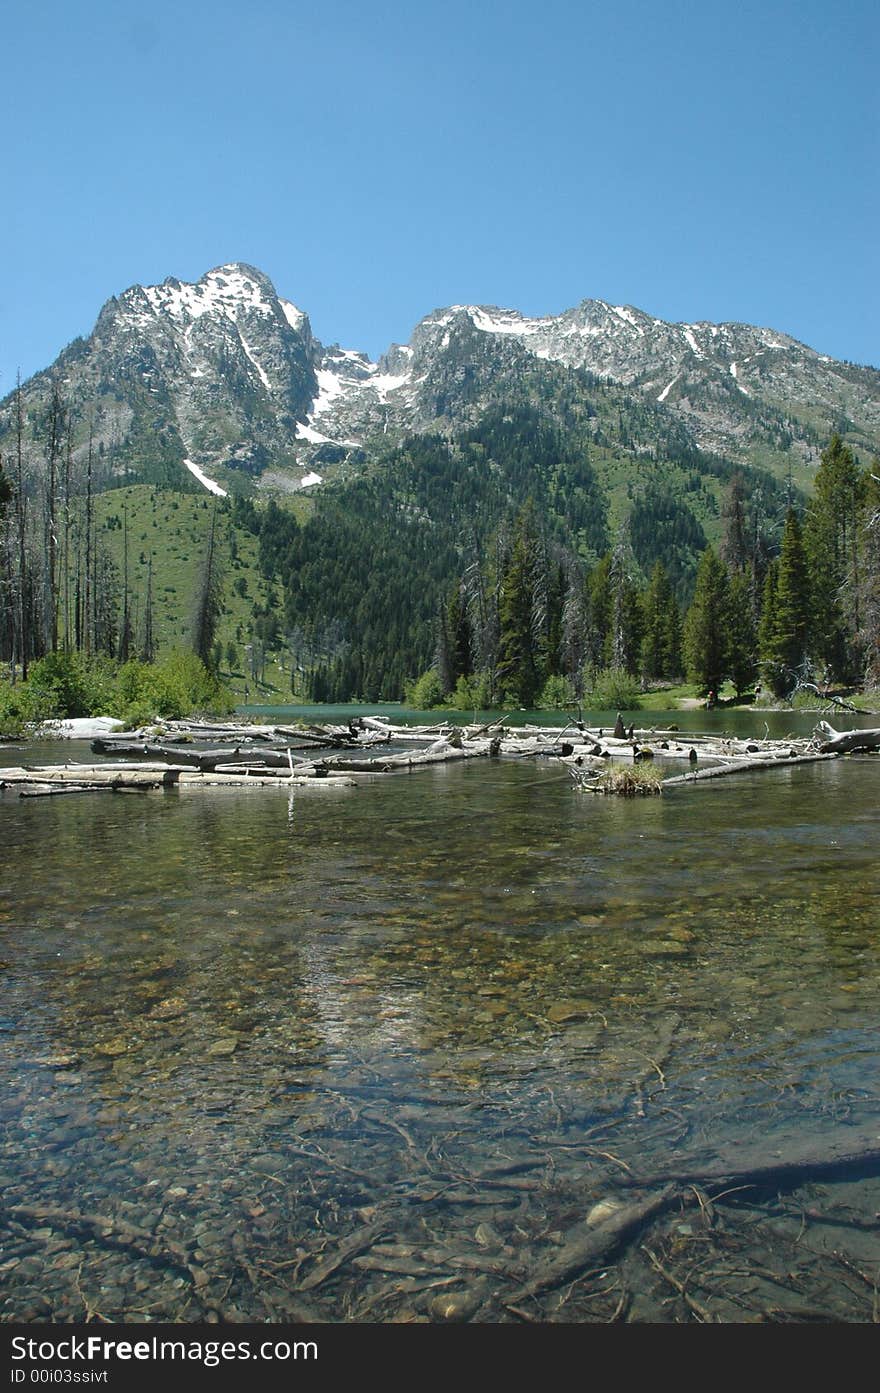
pixel 446 1011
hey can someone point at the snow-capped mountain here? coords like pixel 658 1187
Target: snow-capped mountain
pixel 224 376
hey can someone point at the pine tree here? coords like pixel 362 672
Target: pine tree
pixel 519 672
pixel 705 628
pixel 661 644
pixel 742 637
pixel 767 621
pixel 5 491
pixel 787 620
pixel 625 618
pixel 454 657
pixel 209 600
pixel 735 548
pixel 831 540
pixel 148 642
pixel 869 608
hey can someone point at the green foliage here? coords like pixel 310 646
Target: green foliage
pixel 831 542
pixel 471 693
pixel 742 637
pixel 557 693
pixel 67 685
pixel 610 689
pixel 21 707
pixel 181 685
pixel 519 659
pixel 663 528
pixel 787 619
pixel 426 692
pixel 706 626
pixel 661 641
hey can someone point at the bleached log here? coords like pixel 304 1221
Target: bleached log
pixel 439 753
pixel 111 778
pixel 742 766
pixel 192 778
pixel 844 742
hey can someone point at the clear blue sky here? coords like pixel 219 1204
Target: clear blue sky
pixel 700 160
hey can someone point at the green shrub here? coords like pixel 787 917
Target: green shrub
pixel 64 685
pixel 180 685
pixel 556 693
pixel 58 685
pixel 425 692
pixel 13 713
pixel 611 689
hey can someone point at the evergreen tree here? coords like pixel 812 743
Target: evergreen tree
pixel 742 637
pixel 460 633
pixel 869 608
pixel 831 540
pixel 5 491
pixel 785 634
pixel 661 643
pixel 705 628
pixel 148 644
pixel 767 624
pixel 519 668
pixel 735 548
pixel 625 617
pixel 209 599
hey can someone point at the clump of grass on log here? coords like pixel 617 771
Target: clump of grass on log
pixel 627 781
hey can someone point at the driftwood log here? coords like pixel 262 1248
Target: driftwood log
pixel 249 755
pixel 720 771
pixel 845 742
pixel 783 1164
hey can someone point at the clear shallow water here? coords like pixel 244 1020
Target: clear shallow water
pixel 253 1025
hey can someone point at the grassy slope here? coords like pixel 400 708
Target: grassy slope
pixel 174 529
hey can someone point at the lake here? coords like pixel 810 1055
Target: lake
pixel 375 1054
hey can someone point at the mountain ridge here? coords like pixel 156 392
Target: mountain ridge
pixel 224 377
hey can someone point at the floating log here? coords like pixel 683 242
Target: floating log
pixel 741 766
pixel 91 775
pixel 55 791
pixel 438 753
pixel 844 742
pixel 193 778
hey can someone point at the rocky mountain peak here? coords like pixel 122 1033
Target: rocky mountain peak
pixel 223 375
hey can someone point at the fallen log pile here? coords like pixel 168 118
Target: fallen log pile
pixel 335 755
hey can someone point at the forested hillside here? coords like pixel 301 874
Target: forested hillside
pixel 503 510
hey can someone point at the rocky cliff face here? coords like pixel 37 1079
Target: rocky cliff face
pixel 224 376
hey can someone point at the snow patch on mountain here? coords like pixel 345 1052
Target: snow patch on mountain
pixel 250 353
pixel 691 342
pixel 626 314
pixel 295 318
pixel 497 321
pixel 210 484
pixel 227 291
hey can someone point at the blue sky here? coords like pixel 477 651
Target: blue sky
pixel 698 160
